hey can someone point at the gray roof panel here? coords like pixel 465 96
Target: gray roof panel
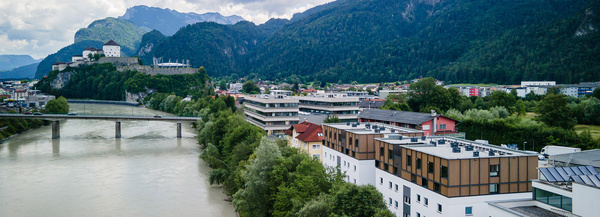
pixel 415 118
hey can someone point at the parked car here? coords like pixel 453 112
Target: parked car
pixel 157 116
pixel 72 113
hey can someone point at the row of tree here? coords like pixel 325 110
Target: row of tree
pixel 264 176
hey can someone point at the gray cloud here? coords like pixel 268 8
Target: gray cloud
pixel 42 27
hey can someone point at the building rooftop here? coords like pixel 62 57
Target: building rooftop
pixel 396 116
pixel 453 148
pixel 112 43
pixel 372 128
pixel 313 133
pixel 589 157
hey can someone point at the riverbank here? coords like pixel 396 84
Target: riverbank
pixel 87 101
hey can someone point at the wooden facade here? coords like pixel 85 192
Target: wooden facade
pixel 464 177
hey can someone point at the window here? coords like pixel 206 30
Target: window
pixel 418 198
pixel 494 188
pixel 396 188
pixel 494 170
pixel 390 185
pixel 469 210
pixel 316 147
pixel 418 166
pixel 380 151
pixel 390 154
pixel 444 172
pixel 344 163
pixel 425 201
pixel 413 178
pixel 430 168
pixel 390 200
pixel 553 199
pixel 396 170
pixel 377 163
pixel 439 208
pixel 442 126
pixel 320 134
pixel 436 187
pixel 354 168
pixel 381 181
pixel 407 200
pixel 318 156
pixel 354 181
pixel 396 204
pixel 356 142
pixel 408 160
pixel 418 214
pixel 424 182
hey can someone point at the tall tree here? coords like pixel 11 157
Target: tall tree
pixel 57 106
pixel 255 199
pixel 250 88
pixel 553 111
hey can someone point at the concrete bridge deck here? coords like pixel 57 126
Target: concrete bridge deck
pixel 56 118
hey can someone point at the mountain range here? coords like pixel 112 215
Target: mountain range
pixel 456 41
pixel 17 66
pixel 473 41
pixel 128 30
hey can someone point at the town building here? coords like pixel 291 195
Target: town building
pixel 370 104
pixel 351 146
pixel 430 123
pixel 111 49
pixel 383 94
pixel 272 113
pixel 446 176
pixel 307 137
pixel 340 105
pixel 537 83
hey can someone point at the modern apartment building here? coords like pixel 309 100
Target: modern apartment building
pixel 351 147
pixel 273 113
pixel 340 105
pixel 437 176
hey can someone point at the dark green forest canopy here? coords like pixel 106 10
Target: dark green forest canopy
pixel 373 41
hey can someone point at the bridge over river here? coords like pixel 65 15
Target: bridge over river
pixel 56 118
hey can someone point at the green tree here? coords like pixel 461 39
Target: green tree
pixel 250 88
pixel 222 85
pixel 353 200
pixel 57 106
pixel 553 111
pixel 520 108
pixel 596 93
pixel 255 199
pixel 332 119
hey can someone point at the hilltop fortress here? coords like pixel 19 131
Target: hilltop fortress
pixel 111 53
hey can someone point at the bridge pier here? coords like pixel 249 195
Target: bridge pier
pixel 55 129
pixel 118 129
pixel 178 130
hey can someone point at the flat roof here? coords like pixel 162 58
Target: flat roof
pixel 587 158
pixel 372 128
pixel 445 150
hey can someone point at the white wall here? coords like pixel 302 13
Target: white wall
pixel 585 200
pixel 360 170
pixel 112 51
pixel 450 206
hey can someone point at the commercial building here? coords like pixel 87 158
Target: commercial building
pixel 340 105
pixel 272 113
pixel 430 123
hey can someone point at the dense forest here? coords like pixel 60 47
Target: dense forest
pixel 373 41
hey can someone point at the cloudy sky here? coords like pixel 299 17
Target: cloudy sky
pixel 41 27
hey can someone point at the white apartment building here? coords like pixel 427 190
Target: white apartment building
pixel 537 83
pixel 428 176
pixel 273 113
pixel 340 105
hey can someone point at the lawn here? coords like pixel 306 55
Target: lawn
pixel 594 130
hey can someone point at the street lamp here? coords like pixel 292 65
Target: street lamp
pixel 524 144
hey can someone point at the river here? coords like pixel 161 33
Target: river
pixel 87 172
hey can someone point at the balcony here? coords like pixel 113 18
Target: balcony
pixel 271 118
pixel 271 109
